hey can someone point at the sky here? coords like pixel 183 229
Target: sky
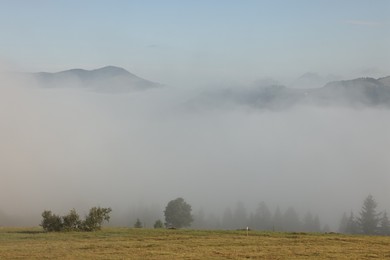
pixel 199 42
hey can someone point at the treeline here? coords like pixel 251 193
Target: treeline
pixel 261 219
pixel 368 221
pixel 72 222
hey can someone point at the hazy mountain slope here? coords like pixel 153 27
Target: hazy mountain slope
pixel 362 91
pixel 385 81
pixel 356 92
pixel 107 79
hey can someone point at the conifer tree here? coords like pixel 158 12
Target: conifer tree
pixel 384 225
pixel 369 218
pixel 352 225
pixel 343 223
pixel 138 223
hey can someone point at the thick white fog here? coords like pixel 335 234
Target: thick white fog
pixel 74 148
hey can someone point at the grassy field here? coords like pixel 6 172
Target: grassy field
pixel 124 243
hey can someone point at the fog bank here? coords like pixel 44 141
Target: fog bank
pixel 70 148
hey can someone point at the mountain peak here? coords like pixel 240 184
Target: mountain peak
pixel 111 71
pixel 106 79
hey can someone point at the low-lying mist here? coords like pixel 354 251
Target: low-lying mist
pixel 134 152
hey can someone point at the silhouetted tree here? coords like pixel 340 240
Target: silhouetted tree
pixel 158 224
pixel 199 220
pixel 369 218
pixel 277 220
pixel 240 216
pixel 310 223
pixel 291 220
pixel 384 225
pixel 317 224
pixel 343 223
pixel 263 217
pixel 352 225
pixel 227 219
pixel 178 214
pixel 138 223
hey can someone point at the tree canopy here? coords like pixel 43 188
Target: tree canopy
pixel 178 214
pixel 71 222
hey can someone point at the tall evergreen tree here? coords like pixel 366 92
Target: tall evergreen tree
pixel 227 219
pixel 240 215
pixel 199 220
pixel 263 217
pixel 291 220
pixel 369 218
pixel 317 224
pixel 343 223
pixel 278 220
pixel 352 225
pixel 310 223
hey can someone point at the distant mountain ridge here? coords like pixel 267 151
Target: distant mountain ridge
pixel 360 92
pixel 106 79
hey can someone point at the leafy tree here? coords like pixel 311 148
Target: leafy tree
pixel 178 214
pixel 95 218
pixel 71 222
pixel 138 224
pixel 384 225
pixel 369 219
pixel 51 222
pixel 158 224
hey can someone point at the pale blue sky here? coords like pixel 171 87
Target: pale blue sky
pixel 199 41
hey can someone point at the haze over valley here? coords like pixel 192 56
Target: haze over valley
pixel 231 106
pixel 67 146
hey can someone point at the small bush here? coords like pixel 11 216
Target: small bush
pixel 51 222
pixel 158 224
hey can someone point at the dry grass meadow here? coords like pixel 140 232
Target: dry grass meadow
pixel 127 243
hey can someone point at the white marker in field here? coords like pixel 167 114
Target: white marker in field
pixel 247 230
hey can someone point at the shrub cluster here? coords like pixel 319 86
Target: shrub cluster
pixel 72 222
